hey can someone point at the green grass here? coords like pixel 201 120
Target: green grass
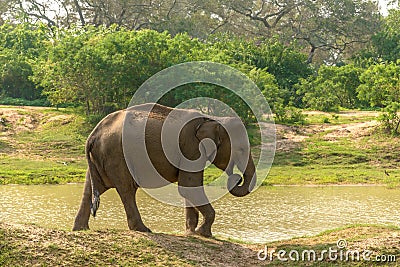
pixel 319 161
pixel 341 117
pixel 60 138
pixel 6 250
pixel 28 171
pixel 211 174
pixel 321 175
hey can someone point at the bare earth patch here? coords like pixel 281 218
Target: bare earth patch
pixel 351 130
pixel 288 138
pixel 27 121
pixel 16 120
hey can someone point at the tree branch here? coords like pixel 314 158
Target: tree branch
pixel 79 10
pixel 40 9
pixel 170 10
pixel 253 17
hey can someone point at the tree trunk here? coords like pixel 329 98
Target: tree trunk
pixel 87 107
pixel 311 55
pixel 79 10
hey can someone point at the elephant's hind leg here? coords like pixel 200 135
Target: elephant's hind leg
pixel 128 198
pixel 82 217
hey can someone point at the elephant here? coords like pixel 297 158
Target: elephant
pixel 218 140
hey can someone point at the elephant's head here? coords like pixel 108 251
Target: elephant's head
pixel 231 149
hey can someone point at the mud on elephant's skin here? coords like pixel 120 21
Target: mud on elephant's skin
pixel 107 167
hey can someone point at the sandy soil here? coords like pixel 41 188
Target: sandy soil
pixel 290 137
pixel 15 121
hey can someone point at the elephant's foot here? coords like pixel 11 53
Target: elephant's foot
pixel 80 227
pixel 142 228
pixel 190 233
pixel 145 230
pixel 204 231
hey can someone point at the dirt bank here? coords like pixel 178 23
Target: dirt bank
pixel 28 245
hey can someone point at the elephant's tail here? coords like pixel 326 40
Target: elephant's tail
pixel 94 175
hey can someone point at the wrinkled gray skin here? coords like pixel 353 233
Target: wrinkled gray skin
pixel 107 167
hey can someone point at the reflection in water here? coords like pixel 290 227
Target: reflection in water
pixel 268 214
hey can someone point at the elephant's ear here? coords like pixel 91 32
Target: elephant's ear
pixel 209 129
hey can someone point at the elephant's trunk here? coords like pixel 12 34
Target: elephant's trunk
pixel 249 182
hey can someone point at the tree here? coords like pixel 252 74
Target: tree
pixel 387 41
pixel 5 7
pixel 101 68
pixel 331 88
pixel 175 16
pixel 390 118
pixel 380 84
pixel 330 28
pixel 20 45
pixel 284 62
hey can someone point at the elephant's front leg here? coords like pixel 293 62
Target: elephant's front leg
pixel 191 188
pixel 192 218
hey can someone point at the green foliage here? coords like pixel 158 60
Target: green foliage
pixel 331 88
pixel 387 41
pixel 256 61
pixel 267 83
pixel 23 102
pixel 325 120
pixel 98 66
pixel 289 115
pixel 390 119
pixel 380 84
pixel 285 62
pixel 14 76
pixel 19 45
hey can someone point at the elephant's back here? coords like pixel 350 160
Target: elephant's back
pixel 110 125
pixel 149 111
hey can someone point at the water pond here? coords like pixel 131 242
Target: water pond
pixel 268 214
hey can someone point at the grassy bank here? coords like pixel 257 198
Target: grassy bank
pixel 41 145
pixel 44 145
pixel 343 148
pixel 23 245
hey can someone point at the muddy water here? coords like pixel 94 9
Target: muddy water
pixel 265 215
